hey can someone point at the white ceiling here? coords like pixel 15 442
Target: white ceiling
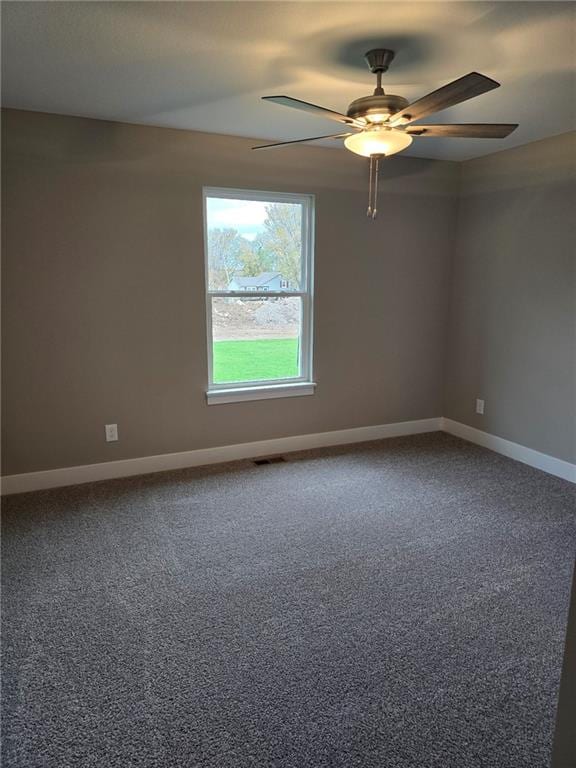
pixel 204 65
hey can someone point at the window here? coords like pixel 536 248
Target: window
pixel 258 243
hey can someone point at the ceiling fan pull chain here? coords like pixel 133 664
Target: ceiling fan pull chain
pixel 369 211
pixel 376 169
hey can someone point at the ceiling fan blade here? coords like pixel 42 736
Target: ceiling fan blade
pixel 305 106
pixel 299 141
pixel 455 92
pixel 467 130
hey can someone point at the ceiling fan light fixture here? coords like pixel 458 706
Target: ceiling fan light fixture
pixel 378 141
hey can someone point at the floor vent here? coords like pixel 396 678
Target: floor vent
pixel 273 460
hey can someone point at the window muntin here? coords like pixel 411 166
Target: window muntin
pixel 258 248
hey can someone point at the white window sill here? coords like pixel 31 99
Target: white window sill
pixel 267 392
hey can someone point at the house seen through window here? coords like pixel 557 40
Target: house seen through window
pixel 259 298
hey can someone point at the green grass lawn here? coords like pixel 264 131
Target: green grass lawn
pixel 255 359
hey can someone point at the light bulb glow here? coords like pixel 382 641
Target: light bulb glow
pixel 381 141
pixel 376 118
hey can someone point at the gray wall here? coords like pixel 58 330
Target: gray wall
pixel 103 304
pixel 512 333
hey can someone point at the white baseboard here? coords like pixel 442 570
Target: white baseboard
pixel 54 478
pixel 543 461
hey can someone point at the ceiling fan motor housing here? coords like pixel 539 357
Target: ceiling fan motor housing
pixel 376 105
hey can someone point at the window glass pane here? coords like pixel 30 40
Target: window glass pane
pixel 254 245
pixel 256 339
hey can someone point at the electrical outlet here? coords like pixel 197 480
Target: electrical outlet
pixel 111 433
pixel 480 407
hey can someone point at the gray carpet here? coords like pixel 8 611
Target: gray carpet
pixel 399 604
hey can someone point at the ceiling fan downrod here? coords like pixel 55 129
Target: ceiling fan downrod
pixel 378 60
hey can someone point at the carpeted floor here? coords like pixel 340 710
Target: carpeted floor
pixel 398 604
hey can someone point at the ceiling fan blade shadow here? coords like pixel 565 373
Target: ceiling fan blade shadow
pixel 305 106
pixel 299 141
pixel 466 130
pixel 466 87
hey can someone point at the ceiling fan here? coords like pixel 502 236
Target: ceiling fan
pixel 383 124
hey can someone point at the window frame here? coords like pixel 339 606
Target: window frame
pixel 266 388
